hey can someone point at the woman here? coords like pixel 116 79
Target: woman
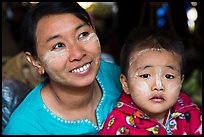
pixel 80 89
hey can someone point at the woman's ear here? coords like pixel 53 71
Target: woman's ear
pixel 124 83
pixel 35 62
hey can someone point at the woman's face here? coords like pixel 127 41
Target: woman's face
pixel 154 80
pixel 68 49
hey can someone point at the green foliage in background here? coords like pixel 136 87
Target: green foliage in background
pixel 193 87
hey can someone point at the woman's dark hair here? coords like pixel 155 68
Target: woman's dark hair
pixel 144 38
pixel 37 11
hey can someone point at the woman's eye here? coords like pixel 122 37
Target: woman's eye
pixel 58 45
pixel 144 75
pixel 83 34
pixel 168 76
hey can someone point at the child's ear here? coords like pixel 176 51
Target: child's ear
pixel 124 83
pixel 35 62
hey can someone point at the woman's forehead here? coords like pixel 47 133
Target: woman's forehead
pixel 50 26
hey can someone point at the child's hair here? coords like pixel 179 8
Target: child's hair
pixel 140 39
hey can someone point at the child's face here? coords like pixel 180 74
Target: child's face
pixel 154 80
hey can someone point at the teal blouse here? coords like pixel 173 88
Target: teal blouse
pixel 33 117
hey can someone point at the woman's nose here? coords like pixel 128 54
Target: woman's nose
pixel 76 52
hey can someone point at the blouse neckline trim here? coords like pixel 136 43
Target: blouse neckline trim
pixel 82 121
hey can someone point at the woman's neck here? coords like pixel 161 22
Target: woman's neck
pixel 75 98
pixel 64 99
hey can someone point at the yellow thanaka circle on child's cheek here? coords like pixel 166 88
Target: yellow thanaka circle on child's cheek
pixel 144 89
pixel 174 86
pixel 143 86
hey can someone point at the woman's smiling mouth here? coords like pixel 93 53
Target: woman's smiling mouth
pixel 81 69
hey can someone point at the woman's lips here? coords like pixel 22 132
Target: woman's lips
pixel 81 69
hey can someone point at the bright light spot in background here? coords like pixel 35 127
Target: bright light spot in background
pixel 192 15
pixel 161 15
pixel 34 2
pixel 85 5
pixel 161 22
pixel 160 12
pixel 115 8
pixel 191 25
pixel 109 3
pixel 194 3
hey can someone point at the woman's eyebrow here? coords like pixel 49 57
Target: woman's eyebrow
pixel 80 26
pixel 52 37
pixel 56 36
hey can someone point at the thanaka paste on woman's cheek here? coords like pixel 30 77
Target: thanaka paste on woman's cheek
pixel 92 37
pixel 54 55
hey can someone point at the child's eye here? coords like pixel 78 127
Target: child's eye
pixel 144 75
pixel 83 34
pixel 58 45
pixel 168 76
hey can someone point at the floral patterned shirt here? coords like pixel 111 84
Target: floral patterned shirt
pixel 184 118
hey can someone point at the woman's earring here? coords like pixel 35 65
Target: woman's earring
pixel 42 71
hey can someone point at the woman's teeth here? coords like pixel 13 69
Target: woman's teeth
pixel 81 69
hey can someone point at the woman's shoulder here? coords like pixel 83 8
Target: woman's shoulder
pixel 106 64
pixel 109 68
pixel 109 72
pixel 31 102
pixel 109 80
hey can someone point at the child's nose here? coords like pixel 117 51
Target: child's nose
pixel 158 85
pixel 157 88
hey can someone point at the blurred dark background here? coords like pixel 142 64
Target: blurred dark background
pixel 113 22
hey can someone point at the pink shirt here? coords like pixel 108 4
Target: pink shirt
pixel 184 118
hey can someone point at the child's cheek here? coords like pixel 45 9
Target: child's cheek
pixel 174 87
pixel 143 87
